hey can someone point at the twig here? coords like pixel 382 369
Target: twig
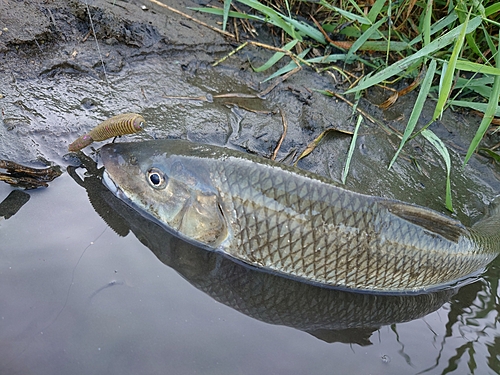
pixel 280 141
pixel 278 81
pixel 236 33
pixel 369 117
pixel 245 23
pixel 236 95
pixel 36 41
pixel 315 142
pixel 192 18
pixel 202 98
pixel 290 54
pixel 230 54
pixel 246 108
pixel 339 44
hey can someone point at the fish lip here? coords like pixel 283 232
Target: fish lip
pixel 109 183
pixel 107 180
pixel 106 154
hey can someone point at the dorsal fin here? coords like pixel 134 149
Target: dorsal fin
pixel 431 220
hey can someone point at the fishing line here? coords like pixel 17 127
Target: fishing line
pixel 97 44
pixel 67 295
pixel 73 276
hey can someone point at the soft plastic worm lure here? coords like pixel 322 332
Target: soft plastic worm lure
pixel 127 123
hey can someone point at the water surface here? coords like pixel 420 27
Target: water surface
pixel 78 298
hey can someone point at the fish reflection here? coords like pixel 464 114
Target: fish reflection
pixel 328 314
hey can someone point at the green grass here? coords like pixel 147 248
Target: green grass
pixel 455 42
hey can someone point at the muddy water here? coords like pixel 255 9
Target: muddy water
pixel 88 287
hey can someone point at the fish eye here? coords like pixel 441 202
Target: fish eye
pixel 156 178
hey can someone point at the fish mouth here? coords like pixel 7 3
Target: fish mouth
pixel 109 183
pixel 109 162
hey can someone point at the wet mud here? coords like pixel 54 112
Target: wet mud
pixel 66 66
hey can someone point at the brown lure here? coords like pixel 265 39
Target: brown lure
pixel 126 123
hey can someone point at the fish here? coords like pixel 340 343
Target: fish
pixel 294 223
pixel 126 123
pixel 327 314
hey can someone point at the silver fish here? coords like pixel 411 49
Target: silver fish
pixel 326 313
pixel 296 223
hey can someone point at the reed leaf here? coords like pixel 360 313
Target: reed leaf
pixel 480 107
pixel 443 151
pixel 436 45
pixel 364 37
pixel 489 113
pixel 276 57
pixel 227 6
pixel 417 108
pixel 352 146
pixel 290 66
pixel 445 85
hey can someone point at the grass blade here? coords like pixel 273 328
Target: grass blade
pixel 492 9
pixel 489 113
pixel 441 148
pixel 399 66
pixel 276 57
pixel 481 107
pixel 227 5
pixel 364 37
pixel 427 22
pixel 375 10
pixel 291 65
pixel 306 30
pixel 352 146
pixel 447 82
pixel 272 16
pixel 469 66
pixel 417 108
pixel 350 16
pixel 331 58
pixel 491 154
pixel 438 26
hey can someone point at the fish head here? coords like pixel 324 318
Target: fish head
pixel 175 190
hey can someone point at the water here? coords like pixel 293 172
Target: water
pixel 78 298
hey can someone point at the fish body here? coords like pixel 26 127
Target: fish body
pixel 293 222
pixel 126 123
pixel 326 313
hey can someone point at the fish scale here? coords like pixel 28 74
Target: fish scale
pixel 344 266
pixel 298 224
